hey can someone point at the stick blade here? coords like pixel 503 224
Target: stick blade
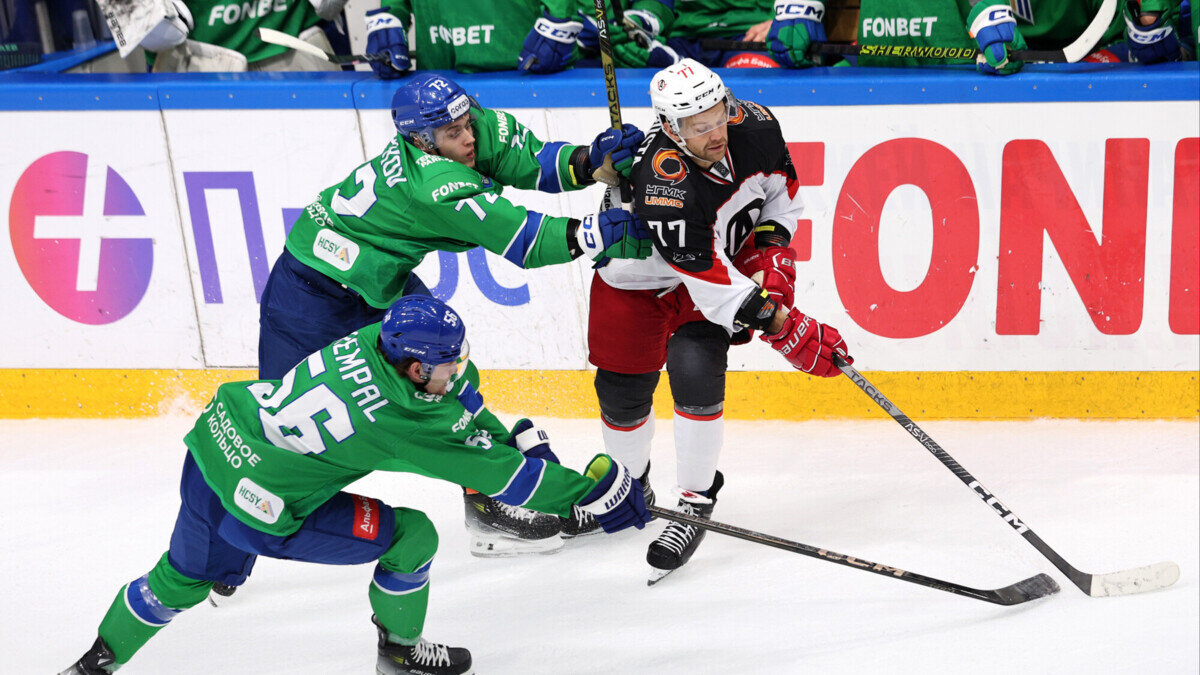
pixel 1137 580
pixel 1038 586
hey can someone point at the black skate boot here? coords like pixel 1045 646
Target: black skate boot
pixel 98 660
pixel 220 594
pixel 678 541
pixel 423 658
pixel 583 523
pixel 500 530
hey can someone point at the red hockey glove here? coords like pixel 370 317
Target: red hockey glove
pixel 778 267
pixel 808 345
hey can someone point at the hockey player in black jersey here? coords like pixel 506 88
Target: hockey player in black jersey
pixel 715 184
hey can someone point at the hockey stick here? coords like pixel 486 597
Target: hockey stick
pixel 1072 53
pixel 1034 587
pixel 606 173
pixel 1137 580
pixel 284 40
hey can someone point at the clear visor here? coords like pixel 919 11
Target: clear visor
pixel 708 121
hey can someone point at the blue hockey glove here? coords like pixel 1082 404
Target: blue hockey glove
pixel 532 441
pixel 1151 43
pixel 613 234
pixel 620 143
pixel 796 26
pixel 549 45
pixel 992 25
pixel 386 34
pixel 616 501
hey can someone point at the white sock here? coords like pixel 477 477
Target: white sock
pixel 629 445
pixel 698 441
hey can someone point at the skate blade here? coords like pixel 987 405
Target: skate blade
pixel 483 546
pixel 657 575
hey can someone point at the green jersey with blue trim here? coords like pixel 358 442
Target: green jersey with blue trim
pixel 369 231
pixel 275 450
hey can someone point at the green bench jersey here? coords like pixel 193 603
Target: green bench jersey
pixel 275 450
pixel 233 25
pixel 369 231
pixel 471 36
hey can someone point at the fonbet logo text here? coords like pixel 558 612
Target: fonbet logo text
pixel 81 237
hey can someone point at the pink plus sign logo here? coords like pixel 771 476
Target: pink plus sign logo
pixel 75 227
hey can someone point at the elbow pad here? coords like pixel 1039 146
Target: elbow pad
pixel 757 311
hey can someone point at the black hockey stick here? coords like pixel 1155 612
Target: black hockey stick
pixel 1034 587
pixel 1137 580
pixel 896 51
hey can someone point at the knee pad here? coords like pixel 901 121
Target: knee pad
pixel 625 400
pixel 697 356
pixel 414 541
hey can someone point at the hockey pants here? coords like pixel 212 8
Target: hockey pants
pixel 209 545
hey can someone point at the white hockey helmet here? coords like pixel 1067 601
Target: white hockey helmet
pixel 685 89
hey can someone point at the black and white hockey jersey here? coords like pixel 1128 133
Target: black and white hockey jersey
pixel 700 218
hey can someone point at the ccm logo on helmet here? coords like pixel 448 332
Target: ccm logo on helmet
pixel 668 165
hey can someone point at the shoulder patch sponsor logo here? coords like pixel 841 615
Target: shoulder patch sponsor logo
pixel 760 113
pixel 258 502
pixel 450 187
pixel 335 249
pixel 669 166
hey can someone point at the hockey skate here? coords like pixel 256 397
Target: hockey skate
pixel 582 523
pixel 98 660
pixel 678 541
pixel 423 658
pixel 221 594
pixel 499 530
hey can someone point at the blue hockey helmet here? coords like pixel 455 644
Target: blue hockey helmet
pixel 426 102
pixel 424 328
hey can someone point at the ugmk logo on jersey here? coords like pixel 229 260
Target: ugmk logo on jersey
pixel 669 166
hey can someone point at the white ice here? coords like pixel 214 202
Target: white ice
pixel 89 505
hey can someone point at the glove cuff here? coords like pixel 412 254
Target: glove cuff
pixel 382 20
pixel 558 30
pixel 619 483
pixel 807 10
pixel 984 16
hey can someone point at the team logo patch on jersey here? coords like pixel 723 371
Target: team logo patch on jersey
pixel 669 165
pixel 366 517
pixel 738 117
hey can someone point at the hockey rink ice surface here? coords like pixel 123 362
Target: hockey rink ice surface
pixel 88 506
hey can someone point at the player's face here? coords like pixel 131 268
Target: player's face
pixel 456 141
pixel 707 133
pixel 444 375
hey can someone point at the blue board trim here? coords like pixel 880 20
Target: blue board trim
pixel 23 89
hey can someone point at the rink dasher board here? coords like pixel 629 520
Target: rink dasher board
pixel 909 295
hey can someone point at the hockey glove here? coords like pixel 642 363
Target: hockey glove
pixel 532 441
pixel 778 267
pixel 386 34
pixel 549 45
pixel 172 30
pixel 614 233
pixel 1150 43
pixel 620 143
pixel 796 26
pixel 808 345
pixel 992 25
pixel 616 501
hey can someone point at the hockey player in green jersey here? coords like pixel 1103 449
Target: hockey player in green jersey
pixel 435 187
pixel 267 461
